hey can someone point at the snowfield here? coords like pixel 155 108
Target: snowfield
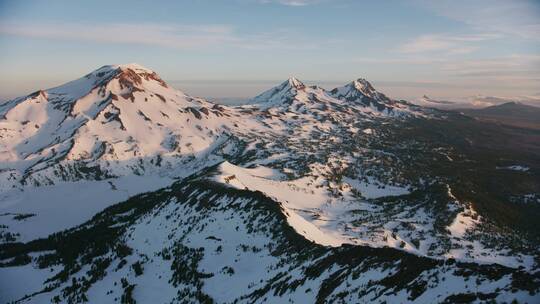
pixel 316 215
pixel 194 239
pixel 51 209
pixel 116 187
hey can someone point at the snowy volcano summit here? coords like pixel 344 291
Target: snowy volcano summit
pixel 117 187
pixel 117 120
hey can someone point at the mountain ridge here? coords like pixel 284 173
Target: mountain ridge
pixel 349 169
pixel 197 256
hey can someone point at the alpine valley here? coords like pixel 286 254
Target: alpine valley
pixel 117 188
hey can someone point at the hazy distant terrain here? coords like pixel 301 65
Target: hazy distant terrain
pixel 475 102
pixel 511 114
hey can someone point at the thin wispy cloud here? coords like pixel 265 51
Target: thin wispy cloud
pixel 175 36
pixel 159 35
pixel 519 18
pixel 456 66
pixel 517 73
pixel 292 2
pixel 446 44
pixel 517 66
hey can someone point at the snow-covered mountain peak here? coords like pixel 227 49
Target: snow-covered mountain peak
pixel 283 93
pixel 115 70
pixel 117 113
pixel 361 93
pixel 119 68
pixel 40 94
pixel 293 82
pixel 357 90
pixel 118 79
pixel 133 66
pixel 365 87
pixel 296 98
pixel 291 85
pixel 137 74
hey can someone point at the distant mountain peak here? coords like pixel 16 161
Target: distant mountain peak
pixel 133 66
pixel 359 85
pixel 425 100
pixel 281 93
pixel 295 96
pixel 361 90
pixel 293 82
pixel 364 86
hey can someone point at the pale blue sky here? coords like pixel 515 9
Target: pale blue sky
pixel 226 48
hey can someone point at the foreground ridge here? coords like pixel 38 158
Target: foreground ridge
pixel 199 244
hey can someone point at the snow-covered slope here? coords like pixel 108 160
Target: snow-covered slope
pixel 315 213
pixel 345 173
pixel 280 94
pixel 358 96
pixel 124 119
pixel 198 241
pixel 361 92
pixel 41 211
pixel 117 120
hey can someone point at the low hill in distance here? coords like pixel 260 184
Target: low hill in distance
pixel 510 113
